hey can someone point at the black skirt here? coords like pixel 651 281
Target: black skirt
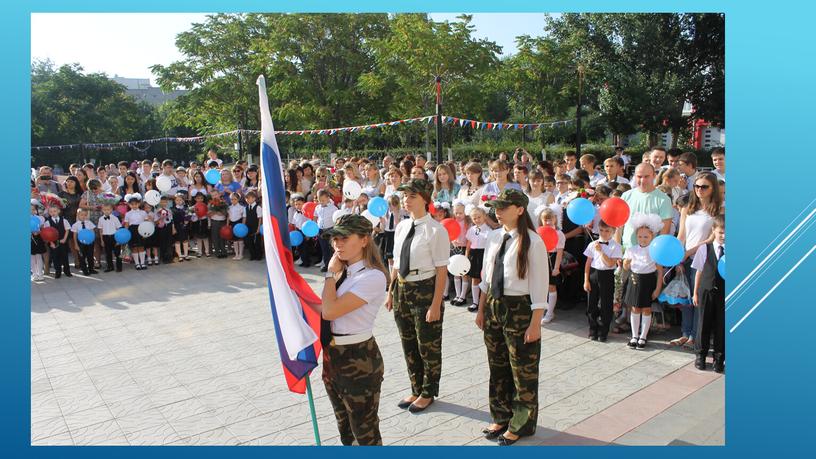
pixel 638 289
pixel 152 241
pixel 200 229
pixel 37 245
pixel 554 280
pixel 135 237
pixel 232 225
pixel 182 234
pixel 476 258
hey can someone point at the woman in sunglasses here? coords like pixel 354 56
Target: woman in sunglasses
pixel 696 220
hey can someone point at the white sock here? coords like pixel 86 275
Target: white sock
pixel 37 265
pixel 552 297
pixel 137 258
pixel 647 321
pixel 475 291
pixel 447 285
pixel 634 320
pixel 457 285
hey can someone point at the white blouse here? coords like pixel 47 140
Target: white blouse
pixel 698 228
pixel 536 282
pixel 642 262
pixel 430 247
pixel 369 285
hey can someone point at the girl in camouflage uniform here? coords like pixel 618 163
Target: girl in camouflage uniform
pixel 514 286
pixel 352 365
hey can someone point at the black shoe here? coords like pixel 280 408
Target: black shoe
pixel 68 274
pixel 494 434
pixel 473 307
pixel 632 343
pixel 719 363
pixel 404 404
pixel 108 269
pixel 602 338
pixel 593 336
pixel 415 409
pixel 86 272
pixel 700 361
pixel 641 344
pixel 57 275
pixel 93 271
pixel 504 441
pixel 323 269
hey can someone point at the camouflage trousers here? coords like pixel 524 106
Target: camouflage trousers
pixel 353 375
pixel 421 341
pixel 513 363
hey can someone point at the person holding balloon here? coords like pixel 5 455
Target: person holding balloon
pixel 514 297
pixel 421 254
pixel 324 213
pixel 458 246
pixel 237 215
pixel 108 225
pixel 709 292
pixel 554 240
pixel 645 278
pixel 476 238
pixel 218 217
pixel 254 222
pixel 199 224
pixel 85 240
pixel 38 247
pixel 135 217
pixel 57 243
pixel 181 233
pixel 602 257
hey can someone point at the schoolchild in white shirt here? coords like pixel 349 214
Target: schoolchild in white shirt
pixel 108 224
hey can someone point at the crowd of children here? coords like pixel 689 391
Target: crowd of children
pixel 609 268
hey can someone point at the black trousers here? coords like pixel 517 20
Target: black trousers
pixel 111 249
pixel 254 245
pixel 326 250
pixel 599 303
pixel 86 260
pixel 166 243
pixel 713 322
pixel 59 258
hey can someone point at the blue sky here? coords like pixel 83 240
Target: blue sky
pixel 126 44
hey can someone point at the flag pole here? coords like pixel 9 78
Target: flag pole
pixel 312 409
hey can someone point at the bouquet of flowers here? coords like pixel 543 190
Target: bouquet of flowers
pixel 108 198
pixel 51 199
pixel 218 205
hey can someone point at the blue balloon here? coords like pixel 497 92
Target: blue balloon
pixel 721 266
pixel 310 229
pixel 122 236
pixel 295 238
pixel 580 211
pixel 86 236
pixel 666 250
pixel 260 230
pixel 213 176
pixel 35 224
pixel 378 206
pixel 240 230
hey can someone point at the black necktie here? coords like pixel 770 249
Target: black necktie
pixel 604 243
pixel 391 221
pixel 722 252
pixel 325 325
pixel 497 282
pixel 107 217
pixel 405 253
pixel 83 225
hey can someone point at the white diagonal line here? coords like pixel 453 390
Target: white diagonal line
pixel 765 260
pixel 761 300
pixel 783 230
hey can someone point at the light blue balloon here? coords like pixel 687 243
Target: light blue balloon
pixel 310 229
pixel 580 211
pixel 295 238
pixel 666 250
pixel 240 230
pixel 213 176
pixel 86 236
pixel 378 206
pixel 35 224
pixel 260 229
pixel 122 236
pixel 721 266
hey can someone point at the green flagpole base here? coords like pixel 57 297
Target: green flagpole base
pixel 312 409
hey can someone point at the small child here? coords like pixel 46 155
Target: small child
pixel 108 224
pixel 86 260
pixel 199 227
pixel 38 247
pixel 133 218
pixel 164 228
pixel 237 214
pixel 388 223
pixel 218 218
pixel 645 277
pixel 599 281
pixel 254 220
pixel 151 243
pixel 303 252
pixel 474 249
pixel 550 217
pixel 58 250
pixel 443 211
pixel 709 292
pixel 458 247
pixel 181 233
pixel 324 214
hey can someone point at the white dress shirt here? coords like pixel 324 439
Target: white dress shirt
pixel 477 236
pixel 368 284
pixel 698 263
pixel 536 282
pixel 430 247
pixel 642 262
pixel 236 212
pixel 109 224
pixel 619 180
pixel 324 215
pixel 135 217
pixel 77 226
pixel 611 250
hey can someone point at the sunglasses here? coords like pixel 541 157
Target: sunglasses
pixel 701 187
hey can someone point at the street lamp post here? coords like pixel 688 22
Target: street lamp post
pixel 578 111
pixel 438 120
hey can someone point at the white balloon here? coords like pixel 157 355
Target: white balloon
pixel 351 189
pixel 146 229
pixel 164 183
pixel 152 197
pixel 374 220
pixel 458 265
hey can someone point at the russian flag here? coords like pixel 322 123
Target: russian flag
pixel 297 325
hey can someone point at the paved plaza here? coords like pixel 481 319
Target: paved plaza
pixel 185 354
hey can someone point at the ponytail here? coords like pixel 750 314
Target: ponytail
pixel 522 256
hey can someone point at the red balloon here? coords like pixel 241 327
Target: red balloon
pixel 201 209
pixel 615 212
pixel 432 210
pixel 226 232
pixel 309 209
pixel 49 234
pixel 122 209
pixel 549 236
pixel 453 228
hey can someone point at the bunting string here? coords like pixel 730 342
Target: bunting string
pixel 430 119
